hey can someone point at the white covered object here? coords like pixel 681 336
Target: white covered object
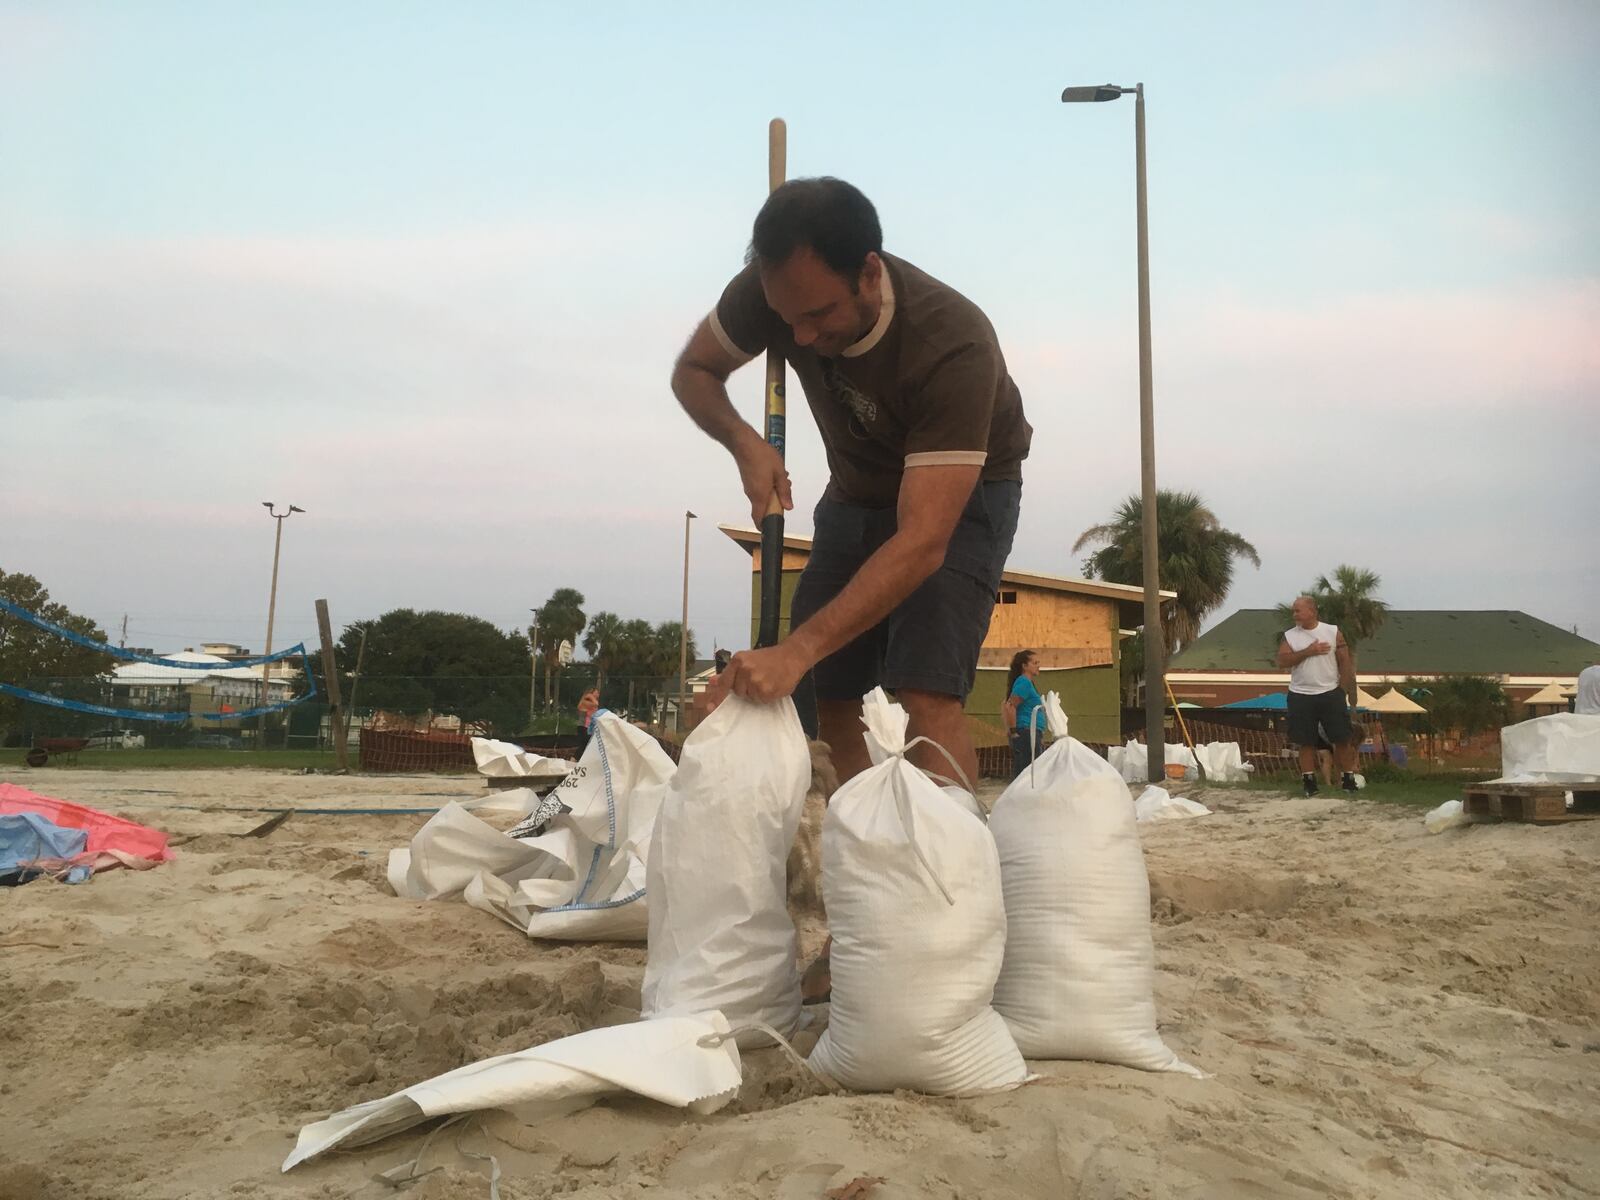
pixel 720 932
pixel 911 883
pixel 662 1060
pixel 507 760
pixel 1447 816
pixel 1156 804
pixel 1222 761
pixel 1079 973
pixel 1563 748
pixel 582 879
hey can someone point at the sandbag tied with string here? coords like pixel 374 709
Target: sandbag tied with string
pixel 911 881
pixel 721 936
pixel 1079 975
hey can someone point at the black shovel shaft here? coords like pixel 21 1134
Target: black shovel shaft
pixel 771 579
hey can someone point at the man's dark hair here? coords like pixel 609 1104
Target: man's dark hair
pixel 829 215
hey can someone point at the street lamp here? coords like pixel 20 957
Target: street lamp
pixel 272 605
pixel 683 629
pixel 1155 649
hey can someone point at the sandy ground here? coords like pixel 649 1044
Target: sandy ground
pixel 1386 1013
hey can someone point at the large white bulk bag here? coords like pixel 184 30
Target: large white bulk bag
pixel 720 932
pixel 1561 748
pixel 911 882
pixel 581 879
pixel 1079 974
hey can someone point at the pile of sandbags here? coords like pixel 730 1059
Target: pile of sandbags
pixel 1218 762
pixel 583 876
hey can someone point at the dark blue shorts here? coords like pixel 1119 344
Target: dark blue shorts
pixel 931 641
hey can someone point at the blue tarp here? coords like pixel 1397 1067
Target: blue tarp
pixel 1271 702
pixel 26 838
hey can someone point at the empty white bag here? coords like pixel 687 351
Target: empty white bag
pixel 720 932
pixel 507 760
pixel 584 878
pixel 911 883
pixel 1079 974
pixel 689 1062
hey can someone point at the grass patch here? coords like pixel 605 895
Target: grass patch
pixel 1417 789
pixel 154 759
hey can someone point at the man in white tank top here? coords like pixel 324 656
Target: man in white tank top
pixel 1320 674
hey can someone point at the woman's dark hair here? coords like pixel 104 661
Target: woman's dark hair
pixel 1018 661
pixel 829 215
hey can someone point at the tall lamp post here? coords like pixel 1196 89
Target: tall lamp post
pixel 272 605
pixel 1155 648
pixel 533 670
pixel 683 628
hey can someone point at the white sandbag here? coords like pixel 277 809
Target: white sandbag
pixel 507 760
pixel 1132 761
pixel 687 1062
pixel 911 882
pixel 1223 762
pixel 1448 815
pixel 1156 804
pixel 720 932
pixel 582 879
pixel 1079 974
pixel 1562 748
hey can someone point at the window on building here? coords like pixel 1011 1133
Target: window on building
pixel 1005 597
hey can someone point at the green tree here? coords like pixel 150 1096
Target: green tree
pixel 602 642
pixel 441 662
pixel 1465 704
pixel 1197 557
pixel 559 619
pixel 28 654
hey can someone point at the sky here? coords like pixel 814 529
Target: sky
pixel 422 270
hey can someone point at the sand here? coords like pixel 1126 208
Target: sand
pixel 1386 1013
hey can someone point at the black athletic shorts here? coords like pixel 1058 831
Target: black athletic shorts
pixel 1327 709
pixel 931 641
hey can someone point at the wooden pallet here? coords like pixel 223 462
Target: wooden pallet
pixel 1533 803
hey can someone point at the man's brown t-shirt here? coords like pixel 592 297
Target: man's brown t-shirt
pixel 927 386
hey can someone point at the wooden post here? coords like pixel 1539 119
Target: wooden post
pixel 330 673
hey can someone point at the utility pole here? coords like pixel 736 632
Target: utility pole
pixel 683 629
pixel 122 643
pixel 533 669
pixel 272 606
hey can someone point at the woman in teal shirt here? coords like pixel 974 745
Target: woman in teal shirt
pixel 1024 711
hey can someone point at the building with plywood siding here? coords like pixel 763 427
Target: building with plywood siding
pixel 1076 626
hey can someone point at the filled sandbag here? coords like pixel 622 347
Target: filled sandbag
pixel 911 882
pixel 1560 748
pixel 720 932
pixel 1078 980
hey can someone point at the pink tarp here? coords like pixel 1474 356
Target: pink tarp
pixel 112 841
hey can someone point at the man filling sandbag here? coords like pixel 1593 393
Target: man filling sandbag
pixel 1078 978
pixel 911 882
pixel 720 932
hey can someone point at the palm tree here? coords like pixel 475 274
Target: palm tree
pixel 1197 557
pixel 602 641
pixel 559 619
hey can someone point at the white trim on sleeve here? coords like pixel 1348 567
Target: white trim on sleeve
pixel 947 458
pixel 725 341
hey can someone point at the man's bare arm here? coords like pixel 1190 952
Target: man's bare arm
pixel 699 381
pixel 1288 658
pixel 1347 667
pixel 931 503
pixel 930 506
